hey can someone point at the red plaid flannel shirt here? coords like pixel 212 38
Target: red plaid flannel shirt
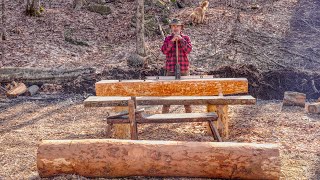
pixel 169 49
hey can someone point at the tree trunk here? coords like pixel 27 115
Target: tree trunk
pixel 3 20
pixel 140 47
pixel 33 8
pixel 122 158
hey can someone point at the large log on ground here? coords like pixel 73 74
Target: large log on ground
pixel 314 108
pixel 187 87
pixel 123 158
pixel 37 75
pixel 294 99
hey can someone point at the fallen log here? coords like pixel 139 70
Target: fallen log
pixel 294 99
pixel 37 75
pixel 314 108
pixel 19 89
pixel 122 158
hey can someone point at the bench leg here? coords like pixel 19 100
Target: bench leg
pixel 132 118
pixel 121 131
pixel 215 132
pixel 222 123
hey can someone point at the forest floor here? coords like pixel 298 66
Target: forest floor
pixel 235 42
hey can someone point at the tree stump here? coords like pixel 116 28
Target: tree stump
pixel 314 108
pixel 294 99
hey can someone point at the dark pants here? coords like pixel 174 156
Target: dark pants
pixel 166 108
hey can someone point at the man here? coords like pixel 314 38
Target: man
pixel 169 49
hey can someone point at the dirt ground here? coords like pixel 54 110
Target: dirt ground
pixel 25 122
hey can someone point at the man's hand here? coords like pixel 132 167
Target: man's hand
pixel 176 38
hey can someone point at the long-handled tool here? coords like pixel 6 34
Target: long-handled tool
pixel 177 72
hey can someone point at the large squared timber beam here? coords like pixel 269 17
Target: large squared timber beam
pixel 186 87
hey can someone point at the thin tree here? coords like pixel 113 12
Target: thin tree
pixel 140 46
pixel 3 21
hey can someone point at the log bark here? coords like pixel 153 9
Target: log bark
pixel 294 99
pixel 314 108
pixel 188 87
pixel 122 158
pixel 35 75
pixel 19 89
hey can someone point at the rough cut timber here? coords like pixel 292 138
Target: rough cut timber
pixel 106 101
pixel 187 87
pixel 294 99
pixel 314 108
pixel 122 158
pixel 19 89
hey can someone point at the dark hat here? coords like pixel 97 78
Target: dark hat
pixel 176 22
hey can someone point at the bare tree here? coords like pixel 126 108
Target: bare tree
pixel 3 21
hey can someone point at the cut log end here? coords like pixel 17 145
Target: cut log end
pixel 314 108
pixel 19 89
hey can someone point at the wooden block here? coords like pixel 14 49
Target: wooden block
pixel 188 87
pixel 19 89
pixel 222 123
pixel 294 99
pixel 121 131
pixel 111 158
pixel 106 101
pixel 314 108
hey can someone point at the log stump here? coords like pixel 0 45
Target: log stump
pixel 314 108
pixel 294 99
